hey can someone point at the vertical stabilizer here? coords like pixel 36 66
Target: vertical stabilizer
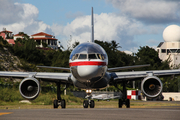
pixel 92 26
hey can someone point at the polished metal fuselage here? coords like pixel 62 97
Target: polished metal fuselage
pixel 89 73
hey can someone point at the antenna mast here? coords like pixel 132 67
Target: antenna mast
pixel 92 26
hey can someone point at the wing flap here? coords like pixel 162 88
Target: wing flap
pixel 56 68
pixel 41 75
pixel 127 67
pixel 141 74
pixel 57 76
pixel 14 74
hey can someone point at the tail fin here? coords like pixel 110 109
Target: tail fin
pixel 92 26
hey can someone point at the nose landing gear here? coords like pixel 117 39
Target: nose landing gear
pixel 88 102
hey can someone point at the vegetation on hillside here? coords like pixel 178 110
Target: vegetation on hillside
pixel 31 56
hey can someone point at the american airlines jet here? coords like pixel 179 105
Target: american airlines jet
pixel 88 71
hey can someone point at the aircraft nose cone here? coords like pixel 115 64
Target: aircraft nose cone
pixel 88 72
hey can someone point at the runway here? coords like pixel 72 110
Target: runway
pixel 91 114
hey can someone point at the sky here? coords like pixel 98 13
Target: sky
pixel 131 23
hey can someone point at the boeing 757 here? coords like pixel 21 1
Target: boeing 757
pixel 88 71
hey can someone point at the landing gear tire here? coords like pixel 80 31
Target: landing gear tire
pixel 92 104
pixel 63 103
pixel 120 103
pixel 56 104
pixel 85 104
pixel 128 103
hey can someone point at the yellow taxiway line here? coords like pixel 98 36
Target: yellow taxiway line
pixel 5 113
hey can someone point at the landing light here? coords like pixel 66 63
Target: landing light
pixel 88 91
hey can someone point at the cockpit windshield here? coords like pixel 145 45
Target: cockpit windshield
pixel 88 51
pixel 89 56
pixel 82 56
pixel 92 56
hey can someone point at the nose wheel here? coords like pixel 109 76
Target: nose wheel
pixel 89 103
pixel 85 104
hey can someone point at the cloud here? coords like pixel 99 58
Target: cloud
pixel 18 17
pixel 10 12
pixel 107 27
pixel 149 11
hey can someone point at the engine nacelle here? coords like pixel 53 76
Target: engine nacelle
pixel 151 86
pixel 29 88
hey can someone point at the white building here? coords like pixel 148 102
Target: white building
pixel 19 35
pixel 170 48
pixel 41 37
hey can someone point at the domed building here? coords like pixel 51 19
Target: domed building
pixel 171 47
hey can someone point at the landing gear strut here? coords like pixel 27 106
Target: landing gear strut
pixel 124 100
pixel 59 101
pixel 88 102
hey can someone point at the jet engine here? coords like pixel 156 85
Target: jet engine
pixel 29 88
pixel 151 86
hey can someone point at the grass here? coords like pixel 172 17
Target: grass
pixel 9 99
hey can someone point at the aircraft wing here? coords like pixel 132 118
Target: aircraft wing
pixel 104 97
pixel 127 67
pixel 57 68
pixel 118 76
pixel 47 76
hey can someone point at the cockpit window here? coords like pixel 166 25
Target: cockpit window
pixel 83 56
pixel 99 56
pixel 76 56
pixel 103 56
pixel 89 56
pixel 92 56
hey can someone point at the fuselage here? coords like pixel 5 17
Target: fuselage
pixel 88 64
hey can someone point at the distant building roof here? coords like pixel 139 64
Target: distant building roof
pixel 11 41
pixel 44 38
pixel 18 35
pixel 41 34
pixel 5 31
pixel 160 44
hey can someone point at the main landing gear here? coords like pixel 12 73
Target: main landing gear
pixel 88 102
pixel 124 100
pixel 59 101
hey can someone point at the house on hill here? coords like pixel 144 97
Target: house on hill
pixel 48 39
pixel 7 35
pixel 21 35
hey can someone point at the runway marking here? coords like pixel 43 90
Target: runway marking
pixel 5 113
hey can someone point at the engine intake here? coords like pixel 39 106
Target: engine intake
pixel 29 88
pixel 151 86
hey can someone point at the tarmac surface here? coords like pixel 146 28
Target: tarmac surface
pixel 92 114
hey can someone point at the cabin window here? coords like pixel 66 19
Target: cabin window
pixel 92 56
pixel 82 56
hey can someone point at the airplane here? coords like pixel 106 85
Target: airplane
pixel 88 70
pixel 103 97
